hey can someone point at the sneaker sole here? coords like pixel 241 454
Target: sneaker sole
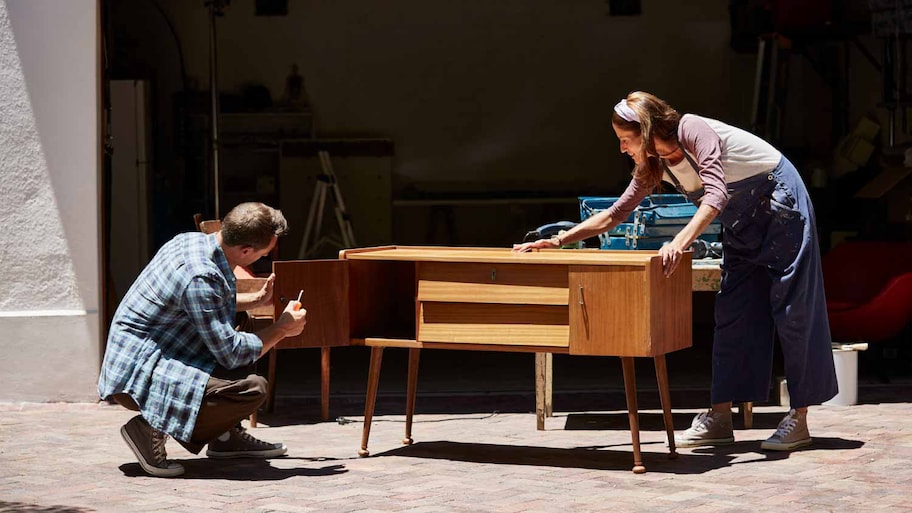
pixel 150 469
pixel 777 446
pixel 701 443
pixel 273 453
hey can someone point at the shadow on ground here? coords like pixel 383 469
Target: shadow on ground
pixel 242 469
pixel 20 507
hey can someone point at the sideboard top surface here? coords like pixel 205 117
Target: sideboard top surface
pixel 502 255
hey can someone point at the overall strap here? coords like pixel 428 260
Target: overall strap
pixel 692 196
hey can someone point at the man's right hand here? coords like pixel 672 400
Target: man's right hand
pixel 293 319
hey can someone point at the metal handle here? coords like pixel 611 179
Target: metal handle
pixel 494 274
pixel 581 295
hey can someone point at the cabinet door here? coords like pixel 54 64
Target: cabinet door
pixel 326 289
pixel 609 309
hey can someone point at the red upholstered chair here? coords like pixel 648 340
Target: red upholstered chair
pixel 868 290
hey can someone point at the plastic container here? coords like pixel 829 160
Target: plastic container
pixel 846 361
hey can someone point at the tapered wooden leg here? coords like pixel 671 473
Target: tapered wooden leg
pixel 411 392
pixel 324 383
pixel 373 381
pixel 543 389
pixel 665 397
pixel 632 412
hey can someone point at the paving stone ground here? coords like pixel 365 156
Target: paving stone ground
pixel 69 458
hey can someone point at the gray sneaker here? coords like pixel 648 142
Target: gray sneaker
pixel 241 445
pixel 791 434
pixel 148 445
pixel 708 428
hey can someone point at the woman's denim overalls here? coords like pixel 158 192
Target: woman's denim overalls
pixel 771 279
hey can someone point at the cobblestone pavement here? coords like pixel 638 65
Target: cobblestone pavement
pixel 69 458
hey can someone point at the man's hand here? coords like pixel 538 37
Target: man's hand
pixel 293 319
pixel 265 292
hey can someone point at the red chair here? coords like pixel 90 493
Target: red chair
pixel 868 290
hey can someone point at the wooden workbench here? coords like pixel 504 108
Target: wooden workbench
pixel 579 302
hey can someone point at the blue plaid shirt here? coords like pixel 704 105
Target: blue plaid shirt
pixel 171 329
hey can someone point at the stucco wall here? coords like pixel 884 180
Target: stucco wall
pixel 49 217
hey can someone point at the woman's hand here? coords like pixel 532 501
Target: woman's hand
pixel 671 254
pixel 539 244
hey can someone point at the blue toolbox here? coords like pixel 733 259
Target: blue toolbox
pixel 657 219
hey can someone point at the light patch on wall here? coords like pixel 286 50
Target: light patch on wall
pixel 36 268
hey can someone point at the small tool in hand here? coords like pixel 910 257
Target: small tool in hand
pixel 298 306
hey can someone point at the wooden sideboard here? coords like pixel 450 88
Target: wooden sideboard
pixel 578 302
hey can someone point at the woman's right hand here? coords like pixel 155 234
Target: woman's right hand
pixel 539 244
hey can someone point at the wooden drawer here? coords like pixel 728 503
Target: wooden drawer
pixel 495 324
pixel 493 283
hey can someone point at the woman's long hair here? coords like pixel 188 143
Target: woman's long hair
pixel 656 120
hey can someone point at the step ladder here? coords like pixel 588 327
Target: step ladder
pixel 326 184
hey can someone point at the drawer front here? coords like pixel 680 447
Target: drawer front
pixel 493 283
pixel 495 324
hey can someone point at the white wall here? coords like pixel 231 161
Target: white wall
pixel 49 215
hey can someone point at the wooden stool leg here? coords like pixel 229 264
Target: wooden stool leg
pixel 373 380
pixel 632 412
pixel 543 389
pixel 549 371
pixel 411 393
pixel 747 409
pixel 665 397
pixel 324 383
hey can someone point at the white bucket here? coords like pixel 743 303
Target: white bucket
pixel 846 361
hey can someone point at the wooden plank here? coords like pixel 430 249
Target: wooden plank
pixel 468 323
pixel 386 342
pixel 492 283
pixel 493 347
pixel 505 255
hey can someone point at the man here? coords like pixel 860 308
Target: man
pixel 174 355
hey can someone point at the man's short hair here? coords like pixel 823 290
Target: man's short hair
pixel 253 224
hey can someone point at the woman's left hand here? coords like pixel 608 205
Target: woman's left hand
pixel 539 244
pixel 671 256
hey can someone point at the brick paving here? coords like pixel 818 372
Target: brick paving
pixel 69 458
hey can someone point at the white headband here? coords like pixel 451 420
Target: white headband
pixel 625 112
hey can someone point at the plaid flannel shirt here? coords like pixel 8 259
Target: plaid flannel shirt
pixel 171 329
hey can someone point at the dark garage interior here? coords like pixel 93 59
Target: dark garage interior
pixel 470 123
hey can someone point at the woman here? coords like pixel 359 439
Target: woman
pixel 771 275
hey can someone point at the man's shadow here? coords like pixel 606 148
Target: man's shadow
pixel 241 469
